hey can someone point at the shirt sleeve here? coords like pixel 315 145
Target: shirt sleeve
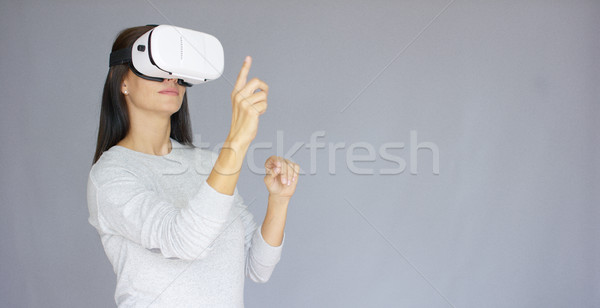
pixel 121 204
pixel 261 258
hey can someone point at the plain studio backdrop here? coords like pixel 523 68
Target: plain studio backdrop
pixel 454 158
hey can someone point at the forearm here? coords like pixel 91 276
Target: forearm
pixel 274 223
pixel 226 171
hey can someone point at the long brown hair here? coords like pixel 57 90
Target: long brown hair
pixel 114 116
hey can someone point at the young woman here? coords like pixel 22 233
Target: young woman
pixel 169 215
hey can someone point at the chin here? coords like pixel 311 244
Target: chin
pixel 171 106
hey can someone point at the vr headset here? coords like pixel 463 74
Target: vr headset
pixel 167 52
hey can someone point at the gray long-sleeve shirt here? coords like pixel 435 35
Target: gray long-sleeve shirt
pixel 172 239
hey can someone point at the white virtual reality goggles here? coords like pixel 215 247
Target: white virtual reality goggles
pixel 167 52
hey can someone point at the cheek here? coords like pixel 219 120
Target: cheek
pixel 142 98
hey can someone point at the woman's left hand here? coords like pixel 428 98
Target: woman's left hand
pixel 282 176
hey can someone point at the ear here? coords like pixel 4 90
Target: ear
pixel 124 84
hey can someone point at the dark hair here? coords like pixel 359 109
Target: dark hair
pixel 114 116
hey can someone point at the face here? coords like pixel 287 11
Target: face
pixel 161 97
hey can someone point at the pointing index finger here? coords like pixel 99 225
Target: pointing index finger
pixel 243 75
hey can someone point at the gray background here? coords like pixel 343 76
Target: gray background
pixel 507 91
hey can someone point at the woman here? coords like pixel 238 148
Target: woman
pixel 170 218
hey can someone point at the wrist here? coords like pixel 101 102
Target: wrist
pixel 231 158
pixel 236 145
pixel 279 199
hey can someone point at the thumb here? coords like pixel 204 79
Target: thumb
pixel 273 163
pixel 273 172
pixel 272 169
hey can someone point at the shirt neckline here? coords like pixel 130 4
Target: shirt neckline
pixel 174 145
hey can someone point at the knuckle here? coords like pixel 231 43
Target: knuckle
pixel 238 96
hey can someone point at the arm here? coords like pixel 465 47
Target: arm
pixel 274 224
pixel 260 257
pixel 120 203
pixel 247 106
pixel 281 181
pixel 264 243
pixel 226 171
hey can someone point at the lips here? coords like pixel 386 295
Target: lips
pixel 169 91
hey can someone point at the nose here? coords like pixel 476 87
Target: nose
pixel 176 81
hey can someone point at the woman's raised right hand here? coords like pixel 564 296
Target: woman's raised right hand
pixel 247 105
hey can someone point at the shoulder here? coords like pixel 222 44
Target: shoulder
pixel 121 163
pixel 114 164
